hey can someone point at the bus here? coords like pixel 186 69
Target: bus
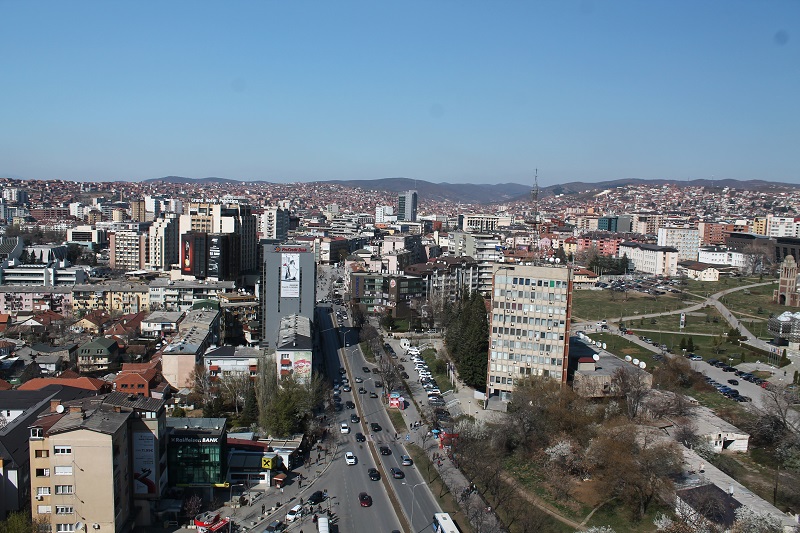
pixel 442 523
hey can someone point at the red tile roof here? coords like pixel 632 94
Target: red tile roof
pixel 85 383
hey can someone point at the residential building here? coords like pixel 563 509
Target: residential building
pixel 124 298
pixel 782 226
pixel 294 348
pixel 197 331
pixel 651 258
pixel 164 242
pixel 486 249
pixel 407 206
pixel 698 271
pixel 51 275
pixel 529 326
pixel 378 293
pixel 685 239
pixel 227 360
pixel 181 295
pixel 446 277
pixel 274 223
pixel 142 379
pixel 715 255
pixel 481 223
pixel 87 236
pixel 128 250
pixel 288 285
pixel 384 214
pixel 161 324
pixel 98 355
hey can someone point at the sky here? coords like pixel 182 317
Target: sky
pixel 467 91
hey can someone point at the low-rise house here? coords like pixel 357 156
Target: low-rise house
pixel 98 355
pixel 94 322
pixel 143 379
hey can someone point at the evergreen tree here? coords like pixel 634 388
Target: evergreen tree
pixel 690 345
pixel 250 411
pixel 683 343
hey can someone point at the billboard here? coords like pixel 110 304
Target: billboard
pixel 290 275
pixel 214 256
pixel 186 256
pixel 144 463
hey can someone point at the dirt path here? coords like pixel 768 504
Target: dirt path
pixel 541 504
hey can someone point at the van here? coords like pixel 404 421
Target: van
pixel 323 524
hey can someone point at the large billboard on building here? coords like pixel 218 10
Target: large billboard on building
pixel 215 256
pixel 144 463
pixel 295 363
pixel 290 275
pixel 187 260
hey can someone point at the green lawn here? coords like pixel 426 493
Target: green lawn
pixel 597 305
pixel 748 301
pixel 621 347
pixel 429 355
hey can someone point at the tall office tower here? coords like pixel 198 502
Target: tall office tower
pixel 138 211
pixel 288 285
pixel 127 249
pixel 194 254
pixel 407 206
pixel 529 326
pixel 236 218
pixel 164 242
pixel 274 223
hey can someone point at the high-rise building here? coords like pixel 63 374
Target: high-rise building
pixel 235 218
pixel 138 211
pixel 407 206
pixel 529 326
pixel 685 239
pixel 194 254
pixel 274 223
pixel 384 214
pixel 164 242
pixel 127 249
pixel 288 285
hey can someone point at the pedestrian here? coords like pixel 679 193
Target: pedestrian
pixel 411 426
pixel 263 508
pixel 281 490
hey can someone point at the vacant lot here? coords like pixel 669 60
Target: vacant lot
pixel 606 304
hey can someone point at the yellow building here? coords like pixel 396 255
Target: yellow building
pixel 123 298
pixel 760 225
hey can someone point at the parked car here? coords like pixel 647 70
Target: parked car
pixel 344 428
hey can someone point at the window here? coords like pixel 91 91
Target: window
pixel 42 472
pixel 43 491
pixel 62 450
pixel 63 471
pixel 40 454
pixel 64 489
pixel 64 509
pixel 43 509
pixel 65 527
pixel 36 433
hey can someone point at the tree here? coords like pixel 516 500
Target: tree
pixel 357 315
pixel 266 384
pixel 387 321
pixel 234 386
pixel 200 381
pixel 250 411
pixel 749 521
pixel 690 345
pixel 178 412
pixel 632 383
pixel 192 506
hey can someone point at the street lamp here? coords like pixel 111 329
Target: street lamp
pixel 413 501
pixel 230 523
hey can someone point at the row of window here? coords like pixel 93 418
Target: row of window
pixel 502 380
pixel 58 470
pixel 532 359
pixel 532 282
pixel 57 450
pixel 60 509
pixel 60 489
pixel 528 308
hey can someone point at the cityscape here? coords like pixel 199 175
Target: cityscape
pixel 229 355
pixel 411 267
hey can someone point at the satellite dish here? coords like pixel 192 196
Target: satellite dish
pixel 551 259
pixel 596 357
pixel 642 365
pixel 635 361
pixel 594 342
pixel 627 358
pixel 604 346
pixel 79 526
pixel 59 408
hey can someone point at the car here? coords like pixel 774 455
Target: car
pixel 397 473
pixel 362 390
pixel 360 437
pixel 404 375
pixel 373 395
pixel 696 358
pixel 375 426
pixel 344 428
pixel 401 367
pixel 345 380
pixel 385 450
pixel 346 388
pixel 342 371
pixel 349 404
pixel 349 458
pixel 733 381
pixel 294 513
pixel 366 369
pixel 374 475
pixel 354 419
pixel 359 379
pixel 275 526
pixel 316 498
pixel 378 384
pixel 405 460
pixel 365 499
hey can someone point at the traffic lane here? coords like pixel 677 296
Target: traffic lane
pixel 344 484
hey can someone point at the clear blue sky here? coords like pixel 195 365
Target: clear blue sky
pixel 457 91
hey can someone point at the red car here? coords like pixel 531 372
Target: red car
pixel 365 499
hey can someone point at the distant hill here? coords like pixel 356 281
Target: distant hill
pixel 470 193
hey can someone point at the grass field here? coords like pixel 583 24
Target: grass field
pixel 621 347
pixel 597 305
pixel 748 301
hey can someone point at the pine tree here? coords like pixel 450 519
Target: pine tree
pixel 690 345
pixel 250 411
pixel 683 343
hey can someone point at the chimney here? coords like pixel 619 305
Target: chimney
pixel 75 409
pixel 54 404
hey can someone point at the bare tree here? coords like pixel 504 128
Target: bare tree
pixel 234 386
pixel 201 384
pixel 634 385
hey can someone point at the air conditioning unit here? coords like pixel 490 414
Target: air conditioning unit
pixel 39 497
pixel 95 526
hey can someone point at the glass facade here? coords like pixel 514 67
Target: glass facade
pixel 196 463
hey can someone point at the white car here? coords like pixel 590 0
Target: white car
pixel 344 428
pixel 294 513
pixel 349 458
